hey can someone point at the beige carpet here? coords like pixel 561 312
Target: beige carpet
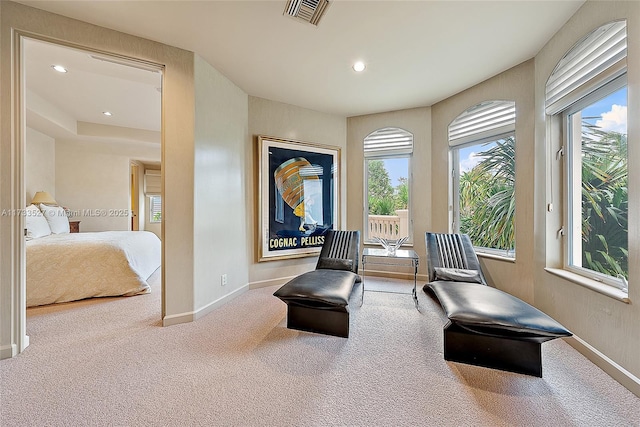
pixel 107 362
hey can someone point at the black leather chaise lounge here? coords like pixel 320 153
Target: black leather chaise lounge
pixel 317 301
pixel 487 327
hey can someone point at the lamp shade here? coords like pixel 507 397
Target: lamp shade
pixel 43 197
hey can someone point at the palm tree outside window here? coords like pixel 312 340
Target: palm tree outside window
pixel 597 221
pixel 482 155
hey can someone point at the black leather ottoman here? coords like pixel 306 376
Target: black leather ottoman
pixel 317 301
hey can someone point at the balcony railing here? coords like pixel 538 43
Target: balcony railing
pixel 389 226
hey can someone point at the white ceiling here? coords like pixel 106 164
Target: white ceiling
pixel 417 52
pixel 66 105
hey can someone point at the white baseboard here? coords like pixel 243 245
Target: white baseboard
pixel 270 282
pixel 192 316
pixel 11 350
pixel 617 372
pixel 8 351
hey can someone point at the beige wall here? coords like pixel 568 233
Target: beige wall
pixel 220 226
pixel 39 164
pixel 285 121
pixel 86 177
pixel 608 325
pixel 92 180
pixel 516 85
pixel 418 122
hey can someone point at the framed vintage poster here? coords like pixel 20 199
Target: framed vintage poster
pixel 298 197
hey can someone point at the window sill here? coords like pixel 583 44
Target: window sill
pixel 594 285
pixel 495 257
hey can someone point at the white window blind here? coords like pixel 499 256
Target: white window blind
pixel 152 182
pixel 489 119
pixel 594 61
pixel 388 142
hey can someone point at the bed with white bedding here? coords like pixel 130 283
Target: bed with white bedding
pixel 73 266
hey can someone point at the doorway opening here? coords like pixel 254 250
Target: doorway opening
pixel 92 124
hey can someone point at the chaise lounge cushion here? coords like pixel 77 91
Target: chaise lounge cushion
pixel 319 289
pixel 489 310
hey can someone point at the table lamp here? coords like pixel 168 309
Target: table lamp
pixel 43 197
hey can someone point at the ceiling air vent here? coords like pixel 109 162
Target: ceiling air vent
pixel 306 10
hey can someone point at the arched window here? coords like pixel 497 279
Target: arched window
pixel 387 158
pixel 588 90
pixel 482 154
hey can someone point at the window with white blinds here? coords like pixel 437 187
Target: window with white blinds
pixel 487 119
pixel 155 209
pixel 587 93
pixel 482 153
pixel 597 59
pixel 387 165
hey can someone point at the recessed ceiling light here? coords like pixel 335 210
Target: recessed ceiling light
pixel 59 68
pixel 107 113
pixel 359 66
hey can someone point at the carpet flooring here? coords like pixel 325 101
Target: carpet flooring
pixel 108 362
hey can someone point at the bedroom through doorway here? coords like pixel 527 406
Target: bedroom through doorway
pixel 89 118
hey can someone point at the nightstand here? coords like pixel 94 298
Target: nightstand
pixel 74 226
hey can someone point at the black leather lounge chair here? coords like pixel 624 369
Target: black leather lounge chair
pixel 487 327
pixel 317 301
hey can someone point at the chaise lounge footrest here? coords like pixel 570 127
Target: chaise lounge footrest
pixel 317 301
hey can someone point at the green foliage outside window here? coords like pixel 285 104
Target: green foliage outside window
pixel 384 199
pixel 487 202
pixel 604 201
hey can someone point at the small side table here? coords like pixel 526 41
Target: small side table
pixel 401 258
pixel 74 226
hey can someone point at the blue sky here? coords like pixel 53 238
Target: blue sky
pixel 468 157
pixel 397 168
pixel 611 110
